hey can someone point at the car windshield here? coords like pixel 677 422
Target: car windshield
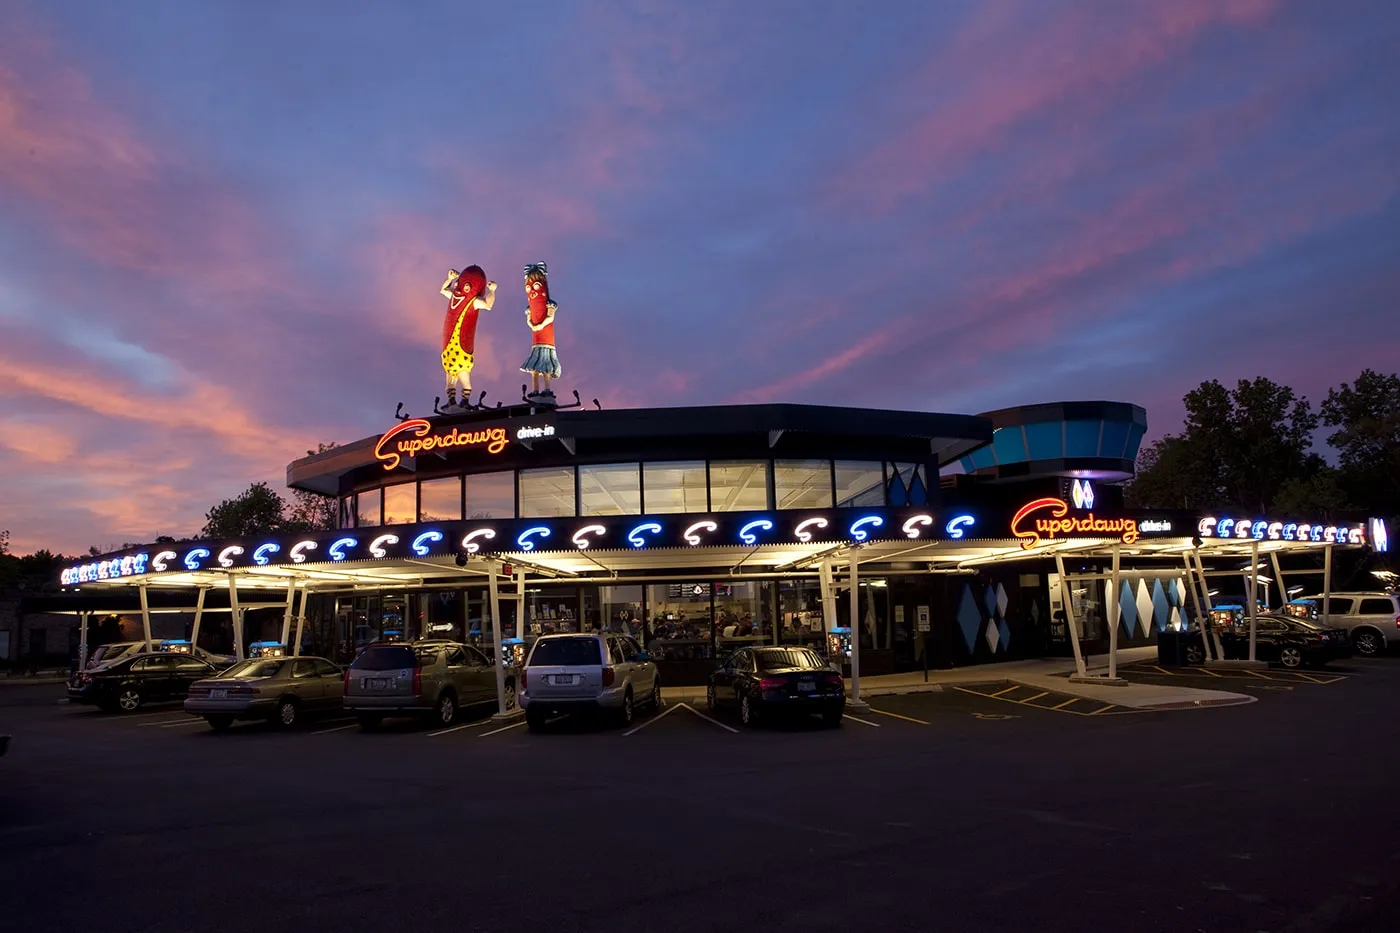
pixel 567 652
pixel 1307 625
pixel 772 659
pixel 388 658
pixel 254 668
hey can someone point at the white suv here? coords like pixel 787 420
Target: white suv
pixel 589 672
pixel 1372 619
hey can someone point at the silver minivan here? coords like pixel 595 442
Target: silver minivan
pixel 587 673
pixel 1372 619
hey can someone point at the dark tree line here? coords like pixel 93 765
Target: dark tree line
pixel 1252 446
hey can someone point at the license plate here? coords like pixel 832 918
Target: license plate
pixel 806 686
pixel 563 680
pixel 218 694
pixel 380 683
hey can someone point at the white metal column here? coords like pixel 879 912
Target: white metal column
pixel 1067 599
pixel 301 621
pixel 1116 603
pixel 1327 585
pixel 236 615
pixel 1210 631
pixel 1196 602
pixel 198 615
pixel 494 598
pixel 520 603
pixel 287 612
pixel 1282 586
pixel 82 639
pixel 145 616
pixel 855 702
pixel 828 594
pixel 1253 596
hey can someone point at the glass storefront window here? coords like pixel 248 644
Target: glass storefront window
pixel 800 610
pixel 743 615
pixel 547 493
pixel 491 495
pixel 369 508
pixel 802 484
pixel 672 487
pixel 611 489
pixel 440 500
pixel 401 504
pixel 680 624
pixel 444 615
pixel 621 610
pixel 347 512
pixel 859 484
pixel 550 610
pixel 738 485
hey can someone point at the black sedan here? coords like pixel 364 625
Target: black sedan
pixel 1288 641
pixel 131 683
pixel 767 682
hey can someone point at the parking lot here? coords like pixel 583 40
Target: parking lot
pixel 1002 808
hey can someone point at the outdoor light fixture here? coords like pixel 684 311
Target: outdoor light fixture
pixel 376 547
pixel 469 540
pixel 801 531
pixel 634 537
pixel 580 537
pixel 227 554
pixel 260 554
pixel 420 543
pixel 158 562
pixel 913 526
pixel 692 536
pixel 337 549
pixel 524 540
pixel 298 550
pixel 858 526
pixel 746 534
pixel 193 558
pixel 957 526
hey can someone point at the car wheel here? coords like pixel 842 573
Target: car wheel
pixel 446 709
pixel 656 695
pixel 129 699
pixel 286 716
pixel 627 712
pixel 1290 657
pixel 1195 654
pixel 534 720
pixel 1369 642
pixel 369 721
pixel 746 711
pixel 510 694
pixel 710 698
pixel 832 719
pixel 219 723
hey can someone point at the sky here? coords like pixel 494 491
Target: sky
pixel 223 225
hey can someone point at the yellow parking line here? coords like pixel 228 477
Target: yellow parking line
pixel 1000 693
pixel 1102 709
pixel 898 716
pixel 1206 670
pixel 1066 703
pixel 1164 671
pixel 1036 697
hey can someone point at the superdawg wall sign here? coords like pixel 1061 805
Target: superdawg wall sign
pixel 416 435
pixel 1043 520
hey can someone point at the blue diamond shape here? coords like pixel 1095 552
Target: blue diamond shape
pixel 1161 608
pixel 969 617
pixel 1127 608
pixel 1004 631
pixel 989 599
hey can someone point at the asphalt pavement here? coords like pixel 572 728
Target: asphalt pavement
pixel 979 808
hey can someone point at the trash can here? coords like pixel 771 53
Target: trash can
pixel 1171 648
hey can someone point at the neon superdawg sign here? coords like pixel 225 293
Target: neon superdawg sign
pixel 1049 519
pixel 1261 529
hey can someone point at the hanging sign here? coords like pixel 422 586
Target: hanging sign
pixel 416 435
pixel 922 617
pixel 1048 520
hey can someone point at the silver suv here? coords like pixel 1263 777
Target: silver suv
pixel 585 673
pixel 426 678
pixel 1372 619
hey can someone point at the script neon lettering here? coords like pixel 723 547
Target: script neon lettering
pixel 1060 525
pixel 392 448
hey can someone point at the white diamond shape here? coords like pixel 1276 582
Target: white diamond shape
pixel 1001 600
pixel 1144 606
pixel 993 636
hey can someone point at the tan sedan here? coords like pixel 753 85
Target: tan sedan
pixel 280 690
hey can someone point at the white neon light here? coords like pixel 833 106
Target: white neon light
pixel 1242 528
pixel 1305 532
pixel 227 555
pixel 801 531
pixel 1082 492
pixel 634 537
pixel 692 536
pixel 420 543
pixel 376 547
pixel 193 557
pixel 1275 531
pixel 914 523
pixel 581 541
pixel 337 550
pixel 524 543
pixel 260 554
pixel 1380 536
pixel 746 534
pixel 1330 533
pixel 159 561
pixel 858 526
pixel 469 541
pixel 298 557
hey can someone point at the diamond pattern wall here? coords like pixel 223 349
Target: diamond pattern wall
pixel 969 617
pixel 989 599
pixel 993 635
pixel 1005 631
pixel 1127 607
pixel 1001 601
pixel 1161 608
pixel 1144 606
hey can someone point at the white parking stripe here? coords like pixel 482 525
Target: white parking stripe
pixel 184 720
pixel 466 725
pixel 710 719
pixel 661 715
pixel 335 729
pixel 187 722
pixel 514 725
pixel 862 721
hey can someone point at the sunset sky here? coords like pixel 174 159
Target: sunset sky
pixel 223 225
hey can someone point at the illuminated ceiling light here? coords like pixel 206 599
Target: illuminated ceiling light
pixel 159 561
pixel 746 534
pixel 580 537
pixel 801 531
pixel 376 547
pixel 337 549
pixel 260 555
pixel 692 535
pixel 227 555
pixel 634 537
pixel 194 556
pixel 957 527
pixel 420 543
pixel 298 557
pixel 858 526
pixel 469 540
pixel 524 541
pixel 914 523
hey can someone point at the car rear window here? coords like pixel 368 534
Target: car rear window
pixel 386 658
pixel 254 668
pixel 566 652
pixel 772 659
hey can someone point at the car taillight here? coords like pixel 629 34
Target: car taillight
pixel 523 679
pixel 608 676
pixel 1397 621
pixel 347 680
pixel 771 683
pixel 417 681
pixel 833 679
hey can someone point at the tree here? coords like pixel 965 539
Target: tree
pixel 1366 415
pixel 1239 447
pixel 258 510
pixel 1319 494
pixel 311 511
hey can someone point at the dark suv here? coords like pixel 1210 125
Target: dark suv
pixel 431 678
